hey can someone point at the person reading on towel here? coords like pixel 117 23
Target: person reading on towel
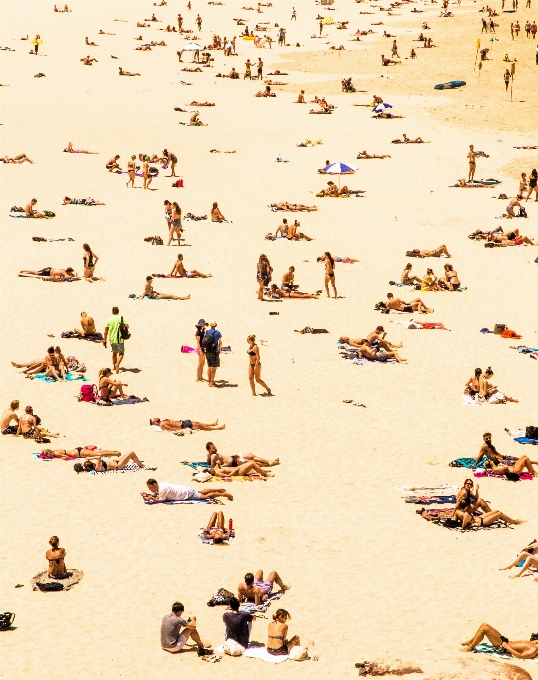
pixel 415 305
pixel 215 530
pixel 174 425
pixel 520 649
pixel 214 458
pixel 277 633
pixel 56 557
pixel 160 492
pixel 256 589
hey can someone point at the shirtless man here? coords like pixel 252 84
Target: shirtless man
pixel 256 589
pixel 287 279
pixel 418 140
pixel 127 73
pixel 300 98
pixel 145 172
pixel 216 459
pixel 54 274
pixel 437 252
pixel 173 425
pixel 378 337
pixel 365 154
pixel 113 163
pixel 472 162
pixel 88 326
pixel 30 212
pixel 87 61
pixel 7 416
pixel 294 235
pixel 131 169
pixel 489 452
pixel 414 306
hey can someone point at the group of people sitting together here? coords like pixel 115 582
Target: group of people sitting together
pixel 480 389
pixel 374 347
pixel 28 426
pixel 430 282
pixel 54 366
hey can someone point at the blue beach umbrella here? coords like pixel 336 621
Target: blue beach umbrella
pixel 338 169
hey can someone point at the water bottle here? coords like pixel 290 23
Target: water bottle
pixel 230 524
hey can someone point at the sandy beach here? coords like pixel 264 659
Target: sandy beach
pixel 370 578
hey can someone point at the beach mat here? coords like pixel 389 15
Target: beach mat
pixel 120 402
pixel 211 501
pixel 130 467
pixel 195 466
pixel 489 473
pixel 470 463
pixel 67 583
pixel 441 515
pixel 69 377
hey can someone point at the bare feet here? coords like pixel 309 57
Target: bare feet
pixel 228 496
pixel 276 461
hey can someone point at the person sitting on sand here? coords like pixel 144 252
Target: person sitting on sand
pixel 277 633
pixel 160 492
pixel 265 93
pixel 487 390
pixel 520 649
pixel 333 191
pixel 275 293
pixel 487 450
pixel 87 61
pixel 214 458
pixel 172 640
pixel 175 425
pixel 377 339
pixel 29 426
pixel 365 154
pixel 109 388
pixel 127 73
pixel 195 121
pixel 413 54
pixel 429 282
pixel 288 280
pixel 144 48
pixel 56 557
pixel 378 354
pixel 293 235
pixel 415 305
pixel 387 62
pixel 256 589
pixel 300 98
pixel 88 327
pixel 407 279
pixel 293 207
pixel 99 465
pixel 215 530
pixel 153 295
pixel 529 557
pixel 77 452
pixel 179 270
pixel 216 215
pixel 91 44
pixel 7 416
pixel 468 498
pixel 485 520
pixel 451 278
pixel 245 469
pixel 30 212
pixel 52 274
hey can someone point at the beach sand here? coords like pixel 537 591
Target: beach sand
pixel 369 578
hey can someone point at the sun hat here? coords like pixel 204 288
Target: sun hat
pixel 212 323
pixel 201 323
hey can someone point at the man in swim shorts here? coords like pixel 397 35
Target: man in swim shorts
pixel 415 305
pixel 175 425
pixel 160 492
pixel 256 589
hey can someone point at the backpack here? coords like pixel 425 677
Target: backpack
pixel 380 305
pixel 124 331
pixel 177 183
pixel 222 596
pixel 531 432
pixel 499 328
pixel 49 587
pixel 88 393
pixel 208 342
pixel 6 620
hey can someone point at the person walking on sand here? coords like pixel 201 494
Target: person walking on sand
pixel 145 171
pixel 472 162
pixel 131 170
pixel 255 367
pixel 199 22
pixel 329 273
pixel 293 14
pixel 175 224
pixel 212 346
pixel 320 27
pixel 263 274
pixel 117 341
pixel 36 42
pixel 506 80
pixel 200 332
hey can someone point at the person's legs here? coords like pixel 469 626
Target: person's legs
pixel 257 374
pixel 522 463
pixel 333 282
pixel 485 630
pixel 212 522
pixel 207 426
pixel 494 515
pixel 295 641
pixel 200 368
pixel 215 493
pixel 220 519
pixel 261 461
pixel 531 561
pixel 480 505
pixel 275 578
pixel 127 458
pixel 116 389
pixel 164 296
pixel 251 379
pixel 260 290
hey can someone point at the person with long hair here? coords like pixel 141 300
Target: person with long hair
pixel 99 465
pixel 175 224
pixel 472 386
pixel 254 366
pixel 216 215
pixel 277 634
pixel 263 274
pixel 110 388
pixel 533 185
pixel 489 392
pixel 90 260
pixel 56 557
pixel 329 273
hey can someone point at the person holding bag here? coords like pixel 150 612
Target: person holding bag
pixel 118 331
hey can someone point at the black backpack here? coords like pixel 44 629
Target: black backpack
pixel 124 331
pixel 49 587
pixel 531 432
pixel 6 620
pixel 208 342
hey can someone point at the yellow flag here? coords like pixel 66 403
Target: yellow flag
pixel 478 44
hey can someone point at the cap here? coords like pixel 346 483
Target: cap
pixel 212 323
pixel 201 323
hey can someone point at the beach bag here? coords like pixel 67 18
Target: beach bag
pixel 178 183
pixel 6 619
pixel 124 331
pixel 49 587
pixel 499 328
pixel 49 213
pixel 531 432
pixel 202 476
pixel 221 597
pixel 88 393
pixel 298 653
pixel 232 648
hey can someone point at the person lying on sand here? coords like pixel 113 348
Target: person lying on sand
pixel 150 293
pixel 192 70
pixel 215 530
pixel 201 104
pixel 469 520
pixel 160 492
pixel 56 558
pixel 70 149
pixel 91 44
pixel 275 293
pixel 53 274
pixel 242 470
pixel 144 48
pixel 87 62
pixel 274 82
pixel 437 252
pixel 415 305
pixel 77 452
pixel 175 425
pixel 387 62
pixel 352 342
pixel 30 212
pixel 463 184
pixel 519 467
pixel 179 270
pixel 97 464
pixel 257 589
pixel 101 32
pixel 529 557
pixel 418 140
pixel 344 260
pixel 378 354
pixel 138 25
pixel 127 73
pixel 511 238
pixel 81 201
pixel 292 207
pixel 21 158
pixel 333 191
pixel 520 649
pixel 214 458
pixel 488 390
pixel 365 154
pixel 88 326
pixel 386 114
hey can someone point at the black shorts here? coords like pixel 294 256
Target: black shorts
pixel 44 272
pixel 213 359
pixel 408 308
pixel 186 424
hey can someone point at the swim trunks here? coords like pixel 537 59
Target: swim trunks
pixel 186 424
pixel 407 308
pixel 118 347
pixel 266 586
pixel 10 429
pixel 44 272
pixel 213 360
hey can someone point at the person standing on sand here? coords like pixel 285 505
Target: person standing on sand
pixel 212 346
pixel 171 160
pixel 199 22
pixel 260 69
pixel 175 224
pixel 179 22
pixel 293 14
pixel 329 273
pixel 146 173
pixel 117 344
pixel 200 332
pixel 255 367
pixel 263 274
pixel 36 42
pixel 131 170
pixel 320 27
pixel 506 79
pixel 472 162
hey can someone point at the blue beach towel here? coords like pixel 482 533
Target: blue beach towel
pixel 69 377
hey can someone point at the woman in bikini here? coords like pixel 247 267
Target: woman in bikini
pixel 56 557
pixel 485 520
pixel 451 277
pixel 99 465
pixel 77 452
pixel 70 149
pixel 407 279
pixel 487 390
pixel 263 274
pixel 179 270
pixel 215 530
pixel 472 386
pixel 533 185
pixel 255 367
pixel 329 273
pixel 216 215
pixel 90 260
pixel 429 282
pixel 522 464
pixel 278 643
pixel 110 388
pixel 469 500
pixel 530 559
pixel 150 293
pixel 175 224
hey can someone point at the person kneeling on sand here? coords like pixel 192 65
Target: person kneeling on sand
pixel 256 589
pixel 173 639
pixel 415 305
pixel 520 649
pixel 160 492
pixel 173 425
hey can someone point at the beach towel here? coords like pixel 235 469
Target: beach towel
pixel 237 478
pixel 252 608
pixel 443 522
pixel 195 466
pixel 489 473
pixel 119 402
pixel 70 377
pixel 68 583
pixel 525 440
pixel 130 467
pixel 430 490
pixel 212 501
pixel 40 456
pixel 470 401
pixel 262 654
pixel 430 500
pixel 470 463
pixel 96 337
pixel 488 648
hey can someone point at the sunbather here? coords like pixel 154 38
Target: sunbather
pixel 195 121
pixel 175 425
pixel 377 339
pixel 201 104
pixel 415 305
pixel 215 530
pixel 87 62
pixel 150 293
pixel 277 633
pixel 365 154
pixel 520 649
pixel 387 62
pixel 293 207
pixel 294 235
pixel 529 557
pixel 406 277
pixel 30 212
pixel 469 500
pixel 437 252
pixel 56 556
pixel 417 140
pixel 276 293
pixel 88 326
pixel 487 390
pixel 430 282
pixel 469 520
pixel 451 278
pixel 70 149
pixel 21 158
pixel 77 452
pixel 109 388
pixel 127 73
pixel 522 464
pixel 99 465
pixel 179 270
pixel 245 469
pixel 216 215
pixel 256 589
pixel 378 354
pixel 160 492
pixel 334 191
pixel 49 273
pixel 214 458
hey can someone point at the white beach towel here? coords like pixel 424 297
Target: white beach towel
pixel 263 654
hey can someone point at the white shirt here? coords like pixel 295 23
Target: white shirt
pixel 172 492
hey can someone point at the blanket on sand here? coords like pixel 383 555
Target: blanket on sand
pixel 262 654
pixel 212 501
pixel 67 583
pixel 471 464
pixel 442 517
pixel 69 377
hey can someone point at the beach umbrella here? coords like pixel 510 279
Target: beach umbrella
pixel 338 169
pixel 379 108
pixel 192 47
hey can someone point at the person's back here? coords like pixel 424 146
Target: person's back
pixel 237 624
pixel 113 325
pixel 88 325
